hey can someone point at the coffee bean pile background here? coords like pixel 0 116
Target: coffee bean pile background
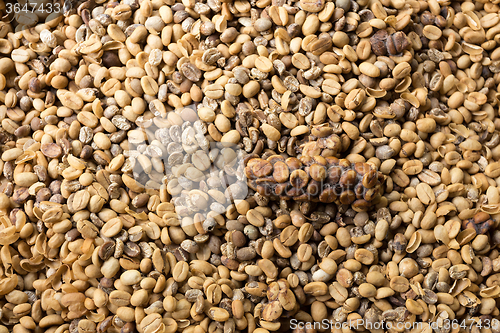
pixel 402 95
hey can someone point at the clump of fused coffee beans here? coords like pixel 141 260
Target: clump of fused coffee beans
pixel 219 166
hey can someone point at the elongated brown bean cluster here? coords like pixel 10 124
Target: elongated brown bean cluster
pixel 481 223
pixel 327 180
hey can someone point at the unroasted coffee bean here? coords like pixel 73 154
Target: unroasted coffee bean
pixel 232 166
pixel 191 72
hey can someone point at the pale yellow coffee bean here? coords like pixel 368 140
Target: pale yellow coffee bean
pixel 369 69
pixel 264 64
